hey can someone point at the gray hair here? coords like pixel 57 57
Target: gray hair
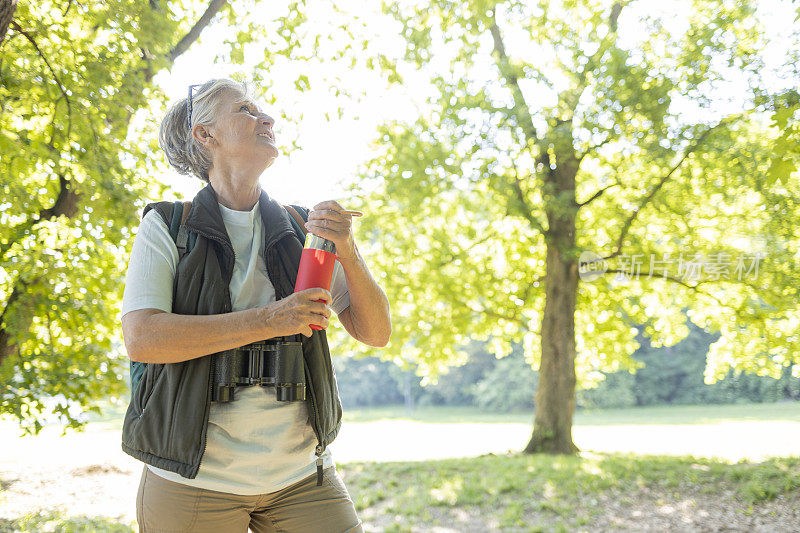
pixel 183 151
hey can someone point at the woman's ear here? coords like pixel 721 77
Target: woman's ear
pixel 202 135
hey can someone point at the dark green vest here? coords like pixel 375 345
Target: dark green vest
pixel 167 418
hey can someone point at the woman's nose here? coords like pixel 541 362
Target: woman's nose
pixel 267 120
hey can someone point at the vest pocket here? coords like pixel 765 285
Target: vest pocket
pixel 150 380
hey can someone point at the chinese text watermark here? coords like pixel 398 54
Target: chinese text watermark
pixel 687 267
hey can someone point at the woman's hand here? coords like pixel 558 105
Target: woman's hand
pixel 295 313
pixel 328 221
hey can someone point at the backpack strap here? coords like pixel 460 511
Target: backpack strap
pixel 184 239
pixel 298 221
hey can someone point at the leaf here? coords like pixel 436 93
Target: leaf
pixel 782 116
pixel 780 170
pixel 302 83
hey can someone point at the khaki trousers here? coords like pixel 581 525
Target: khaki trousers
pixel 164 506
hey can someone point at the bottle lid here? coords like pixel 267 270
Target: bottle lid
pixel 318 243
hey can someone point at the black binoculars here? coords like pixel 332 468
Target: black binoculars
pixel 275 363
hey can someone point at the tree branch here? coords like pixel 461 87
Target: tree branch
pixel 66 9
pixel 523 113
pixel 460 253
pixel 213 8
pixel 530 286
pixel 616 9
pixel 46 62
pixel 525 208
pixel 626 227
pixel 7 346
pixel 66 204
pixel 492 314
pixel 668 278
pixel 67 201
pixel 596 195
pixel 590 65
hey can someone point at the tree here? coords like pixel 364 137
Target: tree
pixel 71 77
pixel 75 172
pixel 557 128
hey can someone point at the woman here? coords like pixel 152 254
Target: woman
pixel 252 462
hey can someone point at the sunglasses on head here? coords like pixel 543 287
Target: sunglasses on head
pixel 189 105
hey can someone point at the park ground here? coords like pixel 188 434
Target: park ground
pixel 681 468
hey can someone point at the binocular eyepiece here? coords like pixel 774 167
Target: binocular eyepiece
pixel 275 363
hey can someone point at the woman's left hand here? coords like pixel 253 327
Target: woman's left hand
pixel 327 220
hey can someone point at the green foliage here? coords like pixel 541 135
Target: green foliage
pixel 367 381
pixel 668 375
pixel 786 149
pixel 786 119
pixel 71 76
pixel 673 375
pixel 458 385
pixel 509 386
pixel 462 204
pixel 616 390
pixel 293 46
pixel 485 382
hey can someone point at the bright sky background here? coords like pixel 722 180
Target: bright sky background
pixel 332 150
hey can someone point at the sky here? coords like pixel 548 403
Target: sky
pixel 331 150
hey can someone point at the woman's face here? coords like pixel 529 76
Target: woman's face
pixel 243 138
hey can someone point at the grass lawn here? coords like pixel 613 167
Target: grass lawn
pixel 527 493
pixel 600 490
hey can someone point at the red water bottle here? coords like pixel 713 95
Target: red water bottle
pixel 316 266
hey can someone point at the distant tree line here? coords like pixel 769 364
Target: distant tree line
pixel 671 375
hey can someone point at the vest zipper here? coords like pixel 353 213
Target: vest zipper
pixel 208 406
pixel 319 448
pixel 318 452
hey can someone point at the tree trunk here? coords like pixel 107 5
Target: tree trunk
pixel 555 395
pixel 7 9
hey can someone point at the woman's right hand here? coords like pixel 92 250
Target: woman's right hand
pixel 295 313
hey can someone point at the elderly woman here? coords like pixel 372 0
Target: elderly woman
pixel 250 461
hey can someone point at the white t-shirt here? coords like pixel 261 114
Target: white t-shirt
pixel 255 444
